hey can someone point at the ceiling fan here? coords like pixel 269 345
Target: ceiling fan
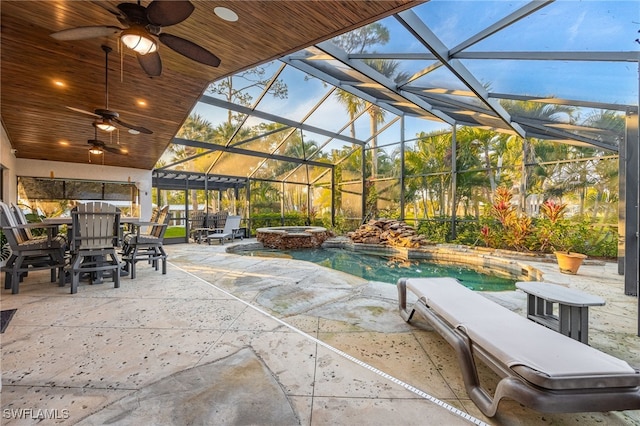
pixel 98 147
pixel 143 26
pixel 105 118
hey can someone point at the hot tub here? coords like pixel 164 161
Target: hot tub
pixel 292 237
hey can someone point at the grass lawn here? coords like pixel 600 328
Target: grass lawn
pixel 175 232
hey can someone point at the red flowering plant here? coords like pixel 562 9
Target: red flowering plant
pixel 552 227
pixel 485 234
pixel 552 210
pixel 506 228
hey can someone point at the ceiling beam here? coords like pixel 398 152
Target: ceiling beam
pixel 209 100
pixel 589 56
pixel 423 34
pixel 302 63
pixel 570 102
pixel 376 77
pixel 230 149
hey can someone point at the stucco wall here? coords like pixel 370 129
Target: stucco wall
pixel 8 163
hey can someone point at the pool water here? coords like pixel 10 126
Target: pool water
pixel 374 267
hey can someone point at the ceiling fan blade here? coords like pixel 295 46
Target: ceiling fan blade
pixel 190 49
pixel 165 13
pixel 131 126
pixel 151 63
pixel 83 33
pixel 84 112
pixel 114 150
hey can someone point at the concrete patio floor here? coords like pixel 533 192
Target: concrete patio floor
pixel 224 339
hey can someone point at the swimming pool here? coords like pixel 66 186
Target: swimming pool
pixel 376 267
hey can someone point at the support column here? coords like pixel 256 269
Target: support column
pixel 364 184
pixel 402 192
pixel 333 197
pixel 248 234
pixel 622 200
pixel 454 177
pixel 282 205
pixel 187 223
pixel 629 207
pixel 309 204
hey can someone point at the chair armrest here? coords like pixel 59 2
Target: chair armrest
pixel 139 225
pixel 35 225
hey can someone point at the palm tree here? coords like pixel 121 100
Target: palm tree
pixel 534 111
pixel 195 128
pixel 353 105
pixel 424 166
pixel 468 161
pixel 377 115
pixel 606 171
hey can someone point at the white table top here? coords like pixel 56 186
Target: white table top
pixel 60 220
pixel 559 294
pixel 66 220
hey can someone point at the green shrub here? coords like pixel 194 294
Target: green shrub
pixel 437 230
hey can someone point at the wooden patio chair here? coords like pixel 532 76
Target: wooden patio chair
pixel 148 246
pixel 198 223
pixel 134 229
pixel 29 254
pixel 95 228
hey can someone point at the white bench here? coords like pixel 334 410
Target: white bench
pixel 539 368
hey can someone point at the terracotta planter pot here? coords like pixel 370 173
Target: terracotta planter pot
pixel 569 262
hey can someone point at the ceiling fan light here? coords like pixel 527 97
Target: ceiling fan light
pixel 105 125
pixel 95 151
pixel 138 40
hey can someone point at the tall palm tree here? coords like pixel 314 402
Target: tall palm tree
pixel 377 115
pixel 534 111
pixel 353 105
pixel 468 160
pixel 606 171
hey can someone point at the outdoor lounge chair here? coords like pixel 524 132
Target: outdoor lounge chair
pixel 211 222
pixel 539 368
pixel 229 232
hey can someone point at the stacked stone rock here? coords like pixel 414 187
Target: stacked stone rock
pixel 388 232
pixel 292 238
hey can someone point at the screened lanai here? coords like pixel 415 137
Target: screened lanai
pixel 423 114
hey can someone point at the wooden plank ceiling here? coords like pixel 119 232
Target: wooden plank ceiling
pixel 33 107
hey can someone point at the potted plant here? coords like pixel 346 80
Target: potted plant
pixel 555 233
pixel 569 261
